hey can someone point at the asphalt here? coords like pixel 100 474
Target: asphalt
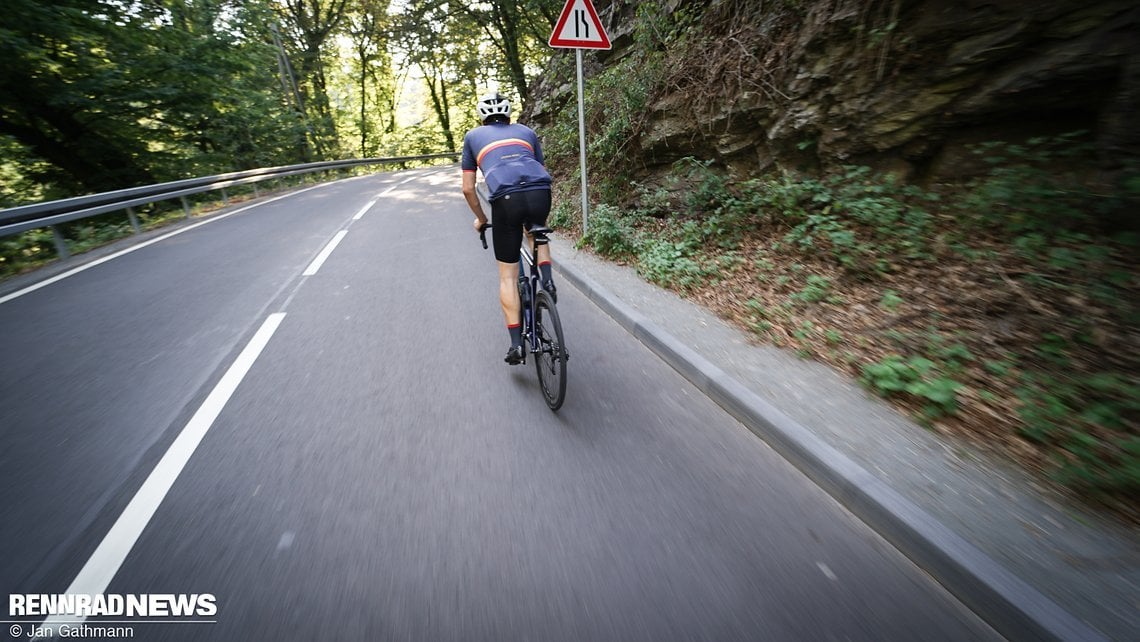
pixel 1031 563
pixel 376 472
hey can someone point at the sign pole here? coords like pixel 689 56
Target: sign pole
pixel 579 28
pixel 582 141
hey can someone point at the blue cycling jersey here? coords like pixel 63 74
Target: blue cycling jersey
pixel 509 155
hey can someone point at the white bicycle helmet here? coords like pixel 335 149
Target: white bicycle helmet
pixel 493 104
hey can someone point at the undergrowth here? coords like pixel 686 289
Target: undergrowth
pixel 1003 309
pixel 36 248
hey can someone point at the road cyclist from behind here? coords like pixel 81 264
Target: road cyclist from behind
pixel 510 157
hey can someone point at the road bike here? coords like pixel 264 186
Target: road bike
pixel 542 329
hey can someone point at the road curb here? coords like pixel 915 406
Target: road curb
pixel 1011 606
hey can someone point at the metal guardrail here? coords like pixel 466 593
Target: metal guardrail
pixel 49 214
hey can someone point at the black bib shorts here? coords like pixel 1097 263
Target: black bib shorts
pixel 508 216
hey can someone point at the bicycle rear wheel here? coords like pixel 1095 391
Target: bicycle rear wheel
pixel 551 357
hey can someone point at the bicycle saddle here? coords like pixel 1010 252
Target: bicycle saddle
pixel 538 230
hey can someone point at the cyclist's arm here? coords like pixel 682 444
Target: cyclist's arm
pixel 472 196
pixel 468 164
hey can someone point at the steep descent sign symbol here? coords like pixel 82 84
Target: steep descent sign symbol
pixel 579 27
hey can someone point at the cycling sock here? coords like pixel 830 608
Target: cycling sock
pixel 544 268
pixel 516 334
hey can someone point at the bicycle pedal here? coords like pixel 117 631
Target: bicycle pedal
pixel 515 357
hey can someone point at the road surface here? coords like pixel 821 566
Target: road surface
pixel 301 409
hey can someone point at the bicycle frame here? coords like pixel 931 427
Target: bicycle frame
pixel 528 304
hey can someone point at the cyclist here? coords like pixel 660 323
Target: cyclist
pixel 510 158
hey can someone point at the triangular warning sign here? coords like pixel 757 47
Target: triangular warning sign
pixel 579 27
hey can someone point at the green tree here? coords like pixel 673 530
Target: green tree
pixel 61 63
pixel 107 94
pixel 103 94
pixel 367 24
pixel 219 106
pixel 310 23
pixel 426 33
pixel 518 29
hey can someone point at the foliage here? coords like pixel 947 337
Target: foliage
pixel 25 251
pixel 672 264
pixel 608 234
pixel 18 167
pixel 121 94
pixel 890 300
pixel 366 94
pixel 859 218
pixel 617 103
pixel 118 94
pixel 562 215
pixel 106 94
pixel 1040 186
pixel 430 36
pixel 1084 419
pixel 517 29
pixel 918 377
pixel 817 289
pixel 1033 240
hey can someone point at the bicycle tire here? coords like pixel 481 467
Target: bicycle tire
pixel 550 361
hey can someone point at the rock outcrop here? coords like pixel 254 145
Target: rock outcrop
pixel 900 85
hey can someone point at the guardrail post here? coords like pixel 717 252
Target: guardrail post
pixel 185 207
pixel 256 192
pixel 225 198
pixel 60 244
pixel 134 219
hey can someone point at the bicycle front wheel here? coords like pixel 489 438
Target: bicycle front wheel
pixel 551 356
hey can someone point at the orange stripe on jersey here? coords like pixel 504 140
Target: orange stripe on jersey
pixel 501 143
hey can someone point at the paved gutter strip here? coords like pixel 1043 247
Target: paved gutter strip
pixel 1013 607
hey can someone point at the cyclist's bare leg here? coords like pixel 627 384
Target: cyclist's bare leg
pixel 543 250
pixel 543 254
pixel 509 291
pixel 544 267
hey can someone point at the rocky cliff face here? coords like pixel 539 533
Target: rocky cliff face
pixel 900 85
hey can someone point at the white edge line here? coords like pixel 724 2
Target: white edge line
pixel 104 563
pixel 363 210
pixel 324 255
pixel 406 180
pixel 87 266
